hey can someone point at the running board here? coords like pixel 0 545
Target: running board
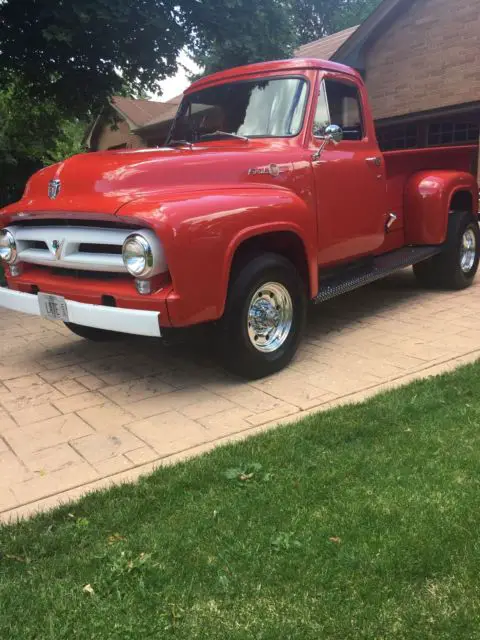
pixel 381 267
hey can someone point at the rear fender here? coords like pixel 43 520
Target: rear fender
pixel 428 200
pixel 201 232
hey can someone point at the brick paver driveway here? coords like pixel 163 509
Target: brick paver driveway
pixel 78 415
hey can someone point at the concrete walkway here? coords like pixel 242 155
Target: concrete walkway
pixel 77 416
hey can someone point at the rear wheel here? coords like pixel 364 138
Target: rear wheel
pixel 264 316
pixel 92 333
pixel 455 267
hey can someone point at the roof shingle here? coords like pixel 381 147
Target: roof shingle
pixel 142 112
pixel 324 48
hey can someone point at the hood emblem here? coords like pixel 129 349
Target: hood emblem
pixel 270 170
pixel 54 187
pixel 57 246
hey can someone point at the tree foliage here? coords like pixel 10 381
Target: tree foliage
pixel 32 134
pixel 80 52
pixel 317 18
pixel 228 33
pixel 244 31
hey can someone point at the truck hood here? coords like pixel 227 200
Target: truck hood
pixel 102 182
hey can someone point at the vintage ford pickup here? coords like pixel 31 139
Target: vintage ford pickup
pixel 270 191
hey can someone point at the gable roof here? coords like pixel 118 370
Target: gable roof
pixel 325 47
pixel 348 46
pixel 168 112
pixel 138 113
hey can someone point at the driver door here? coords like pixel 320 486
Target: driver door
pixel 350 180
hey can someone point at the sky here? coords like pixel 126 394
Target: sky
pixel 175 85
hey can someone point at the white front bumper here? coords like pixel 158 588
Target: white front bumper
pixel 138 322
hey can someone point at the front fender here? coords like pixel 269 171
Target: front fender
pixel 201 231
pixel 428 196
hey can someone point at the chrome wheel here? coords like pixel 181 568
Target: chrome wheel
pixel 270 317
pixel 468 250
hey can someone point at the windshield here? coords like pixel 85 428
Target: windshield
pixel 255 108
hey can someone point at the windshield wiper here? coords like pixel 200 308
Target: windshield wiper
pixel 174 143
pixel 222 134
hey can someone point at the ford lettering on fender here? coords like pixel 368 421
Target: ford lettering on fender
pixel 270 192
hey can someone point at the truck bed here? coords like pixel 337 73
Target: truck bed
pixel 401 164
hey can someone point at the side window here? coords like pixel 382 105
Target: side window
pixel 322 117
pixel 345 108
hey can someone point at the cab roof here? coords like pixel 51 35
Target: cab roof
pixel 260 68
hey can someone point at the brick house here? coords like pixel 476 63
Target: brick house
pixel 421 63
pixel 138 123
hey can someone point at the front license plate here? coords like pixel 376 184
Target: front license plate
pixel 53 307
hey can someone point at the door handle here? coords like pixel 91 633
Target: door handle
pixel 375 160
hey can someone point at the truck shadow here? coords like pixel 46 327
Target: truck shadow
pixel 385 296
pixel 194 362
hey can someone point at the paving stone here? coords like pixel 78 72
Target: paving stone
pixel 207 406
pixel 35 395
pixel 78 402
pixel 277 414
pixel 62 373
pixel 170 432
pixel 105 416
pixel 136 390
pixel 12 469
pixel 253 399
pixel 92 383
pixel 7 499
pixel 69 387
pixel 107 444
pixel 6 423
pixel 52 459
pixel 34 414
pixel 225 422
pixel 46 433
pixel 23 383
pixel 42 486
pixel 18 369
pixel 142 455
pixel 172 401
pixel 113 465
pixel 297 392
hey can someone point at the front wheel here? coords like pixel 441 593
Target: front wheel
pixel 455 267
pixel 264 316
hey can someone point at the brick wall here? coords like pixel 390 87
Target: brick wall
pixel 428 58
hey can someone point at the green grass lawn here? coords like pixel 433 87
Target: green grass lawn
pixel 363 522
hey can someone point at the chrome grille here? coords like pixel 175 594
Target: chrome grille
pixel 72 247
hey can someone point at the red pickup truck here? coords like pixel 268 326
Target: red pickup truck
pixel 270 191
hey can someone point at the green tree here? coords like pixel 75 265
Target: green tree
pixel 317 18
pixel 80 52
pixel 32 134
pixel 228 33
pixel 243 31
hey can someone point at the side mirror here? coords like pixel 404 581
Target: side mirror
pixel 334 133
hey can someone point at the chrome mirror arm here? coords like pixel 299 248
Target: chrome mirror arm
pixel 333 133
pixel 319 151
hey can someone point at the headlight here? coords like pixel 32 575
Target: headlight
pixel 8 246
pixel 138 256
